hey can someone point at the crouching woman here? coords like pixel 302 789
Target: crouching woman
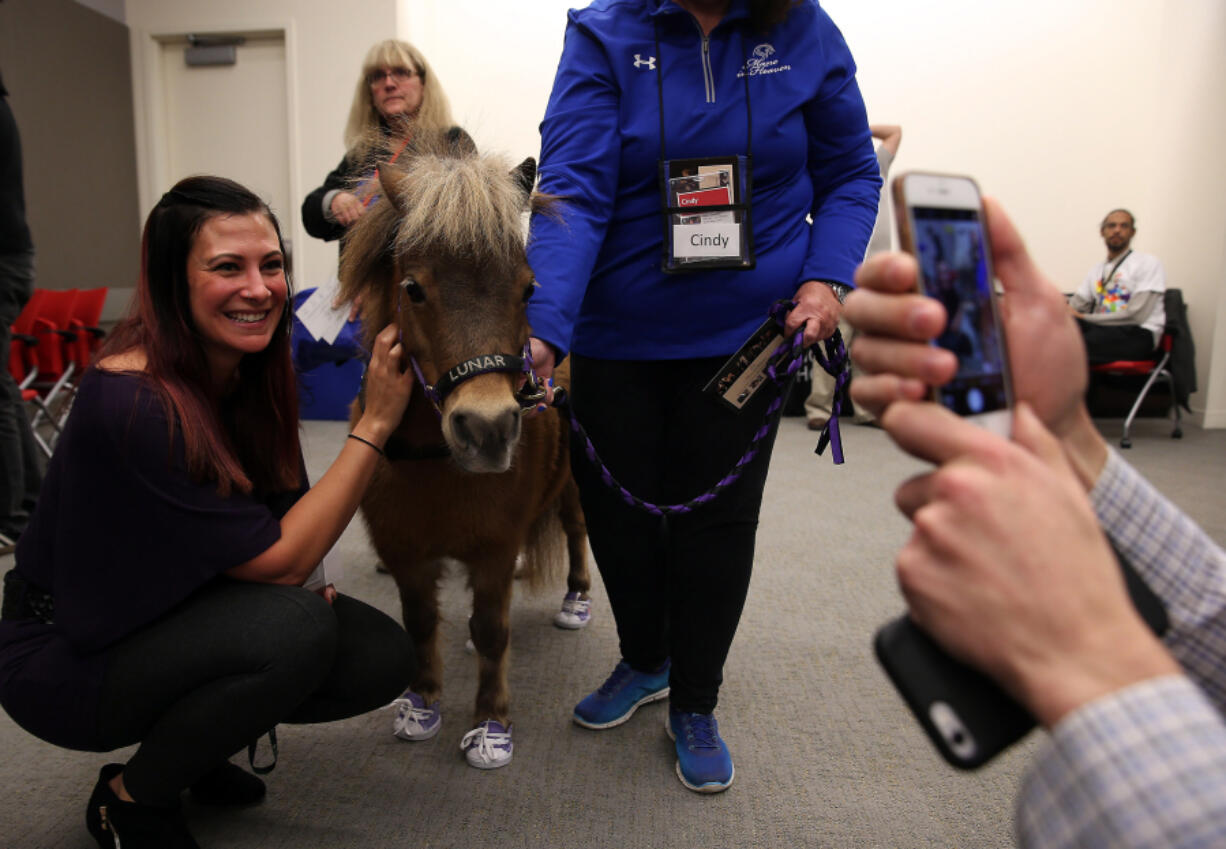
pixel 157 597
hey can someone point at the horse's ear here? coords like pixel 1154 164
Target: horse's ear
pixel 391 189
pixel 524 174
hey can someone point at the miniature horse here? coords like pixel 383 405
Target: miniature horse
pixel 467 475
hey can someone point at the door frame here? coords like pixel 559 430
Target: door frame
pixel 149 88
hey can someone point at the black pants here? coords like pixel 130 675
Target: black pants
pixel 232 662
pixel 1106 343
pixel 677 585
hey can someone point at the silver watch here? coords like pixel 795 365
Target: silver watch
pixel 840 289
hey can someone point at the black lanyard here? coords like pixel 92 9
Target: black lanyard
pixel 1107 277
pixel 660 91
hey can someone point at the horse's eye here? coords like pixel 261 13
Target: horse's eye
pixel 528 290
pixel 413 289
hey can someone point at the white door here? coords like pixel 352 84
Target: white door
pixel 231 120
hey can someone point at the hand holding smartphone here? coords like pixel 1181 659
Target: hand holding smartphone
pixel 968 717
pixel 940 222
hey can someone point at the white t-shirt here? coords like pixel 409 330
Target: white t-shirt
pixel 1137 273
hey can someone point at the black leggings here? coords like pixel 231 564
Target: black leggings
pixel 677 587
pixel 230 663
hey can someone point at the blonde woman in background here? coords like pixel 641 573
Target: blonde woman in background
pixel 396 92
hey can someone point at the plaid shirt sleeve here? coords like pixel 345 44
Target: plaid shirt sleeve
pixel 1179 562
pixel 1145 766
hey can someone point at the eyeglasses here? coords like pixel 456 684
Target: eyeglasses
pixel 399 75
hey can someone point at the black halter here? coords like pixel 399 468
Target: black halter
pixel 528 395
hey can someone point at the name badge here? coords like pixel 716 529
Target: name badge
pixel 707 240
pixel 706 214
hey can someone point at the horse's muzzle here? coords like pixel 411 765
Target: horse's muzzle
pixel 483 441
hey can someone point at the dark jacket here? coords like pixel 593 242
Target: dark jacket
pixel 14 233
pixel 1183 351
pixel 347 176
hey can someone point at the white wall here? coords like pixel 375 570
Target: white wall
pixel 1063 109
pixel 1190 178
pixel 495 60
pixel 325 42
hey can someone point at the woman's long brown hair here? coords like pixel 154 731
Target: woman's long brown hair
pixel 247 438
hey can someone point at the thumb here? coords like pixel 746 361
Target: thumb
pixel 1012 261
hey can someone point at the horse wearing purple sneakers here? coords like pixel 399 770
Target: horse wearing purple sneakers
pixel 468 475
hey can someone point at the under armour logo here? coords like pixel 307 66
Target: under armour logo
pixel 650 62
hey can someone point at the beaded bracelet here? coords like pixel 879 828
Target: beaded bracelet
pixel 367 442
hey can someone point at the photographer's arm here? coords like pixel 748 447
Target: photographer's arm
pixel 1004 539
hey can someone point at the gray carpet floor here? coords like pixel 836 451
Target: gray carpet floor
pixel 826 754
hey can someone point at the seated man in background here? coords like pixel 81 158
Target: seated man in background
pixel 1119 304
pixel 1009 570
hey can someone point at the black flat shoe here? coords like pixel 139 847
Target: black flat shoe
pixel 228 784
pixel 114 822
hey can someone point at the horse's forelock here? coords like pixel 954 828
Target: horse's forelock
pixel 468 206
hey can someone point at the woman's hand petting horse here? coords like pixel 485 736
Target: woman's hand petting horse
pixel 389 385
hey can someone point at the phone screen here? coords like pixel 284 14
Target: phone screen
pixel 951 249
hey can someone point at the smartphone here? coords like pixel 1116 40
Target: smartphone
pixel 940 222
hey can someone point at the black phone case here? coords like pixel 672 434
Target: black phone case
pixel 966 715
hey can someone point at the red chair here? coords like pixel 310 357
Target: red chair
pixel 22 365
pixel 1153 370
pixel 52 358
pixel 86 316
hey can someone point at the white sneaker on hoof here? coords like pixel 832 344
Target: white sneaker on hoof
pixel 488 746
pixel 414 719
pixel 576 612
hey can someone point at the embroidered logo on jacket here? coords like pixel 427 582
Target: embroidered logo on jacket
pixel 650 62
pixel 762 62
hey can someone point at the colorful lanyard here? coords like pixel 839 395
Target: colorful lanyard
pixel 373 196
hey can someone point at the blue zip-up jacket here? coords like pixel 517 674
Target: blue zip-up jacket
pixel 602 292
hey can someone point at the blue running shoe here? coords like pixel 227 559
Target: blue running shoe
pixel 704 763
pixel 620 696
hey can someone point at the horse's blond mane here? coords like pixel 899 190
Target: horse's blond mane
pixel 468 207
pixel 451 202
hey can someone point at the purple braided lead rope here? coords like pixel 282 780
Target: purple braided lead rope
pixel 835 363
pixel 785 362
